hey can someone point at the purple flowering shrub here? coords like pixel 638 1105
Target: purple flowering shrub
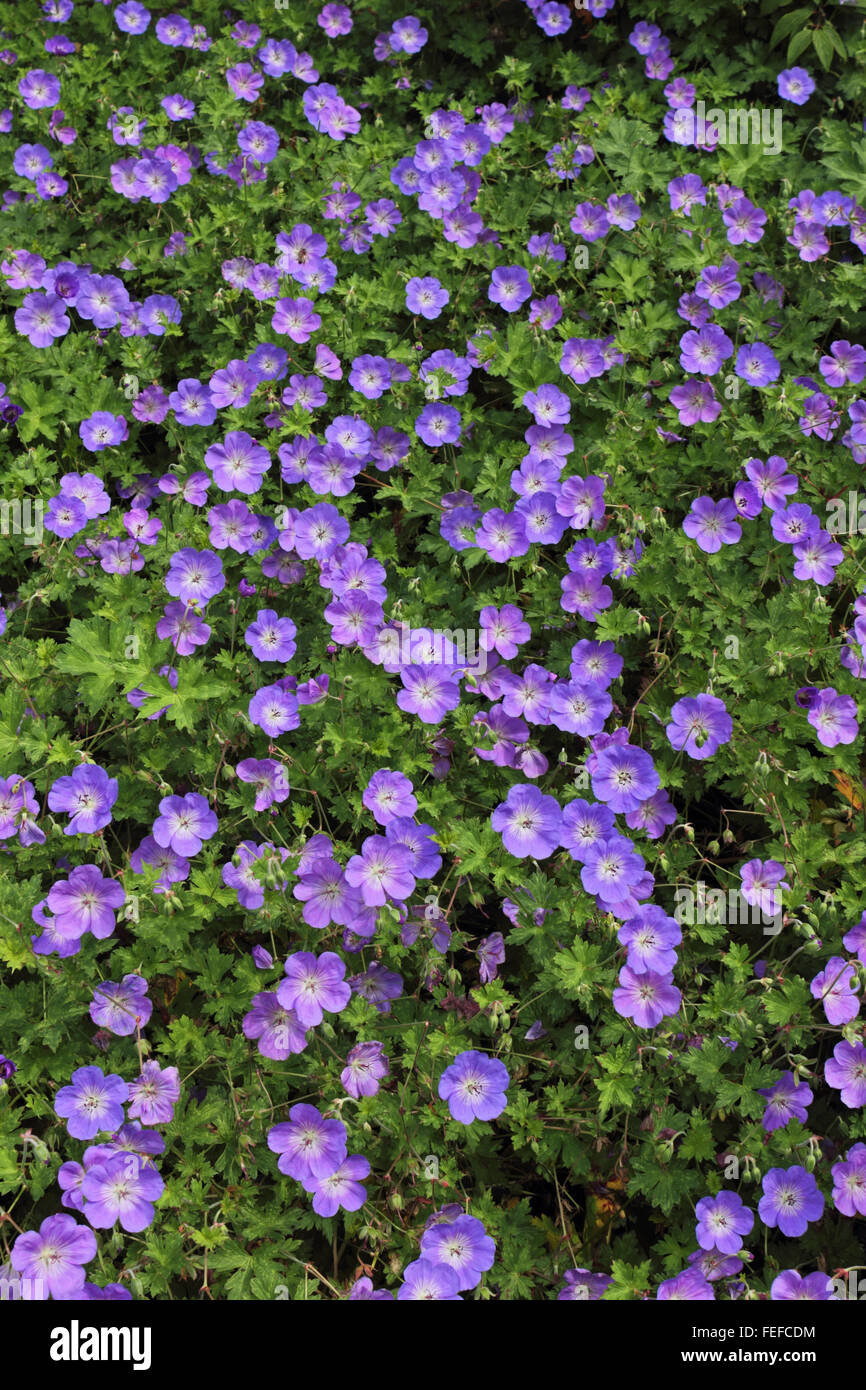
pixel 432 626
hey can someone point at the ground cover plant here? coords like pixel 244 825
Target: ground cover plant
pixel 431 651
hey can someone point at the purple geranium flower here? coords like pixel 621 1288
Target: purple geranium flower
pixel 713 524
pixel 278 1030
pixel 121 1008
pixel 52 1258
pixel 93 1102
pixel 791 1200
pixel 835 986
pixel 700 724
pixel 88 794
pixel 623 776
pixel 308 1144
pixel 381 871
pixel 122 1188
pixel 343 1188
pixel 834 717
pixel 530 823
pixel 474 1087
pixel 845 1071
pixel 426 1280
pixel 790 1284
pixel 786 1100
pixel 183 823
pixel 314 986
pixel 462 1245
pixel 722 1222
pixel 509 287
pixel 85 902
pixel 366 1065
pixel 154 1094
pixel 646 998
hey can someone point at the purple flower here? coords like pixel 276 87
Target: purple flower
pixel 756 364
pixel 381 871
pixel 93 1102
pixel 845 1071
pixel 192 404
pixel 474 1087
pixel 549 405
pixel 786 1100
pixel 429 692
pixel 623 777
pixel 791 1200
pixel 704 350
pixel 183 823
pixel 461 1245
pixel 296 319
pixel 695 401
pixel 52 1259
pixel 39 89
pixel 503 630
pixel 834 717
pixel 835 986
pixel 274 709
pixel 491 954
pixel 238 463
pixel 713 524
pixel 377 985
pixel 502 535
pixel 646 998
pixel 849 1183
pixel 270 637
pixel 278 1030
pixel 388 795
pixel 314 986
pixel 690 1285
pixel 722 1222
pixel 84 902
pixel 154 1094
pixel 308 1144
pixel 183 628
pixel 426 296
pixel 195 576
pixel 365 1066
pixel 855 939
pixel 426 1280
pixel 343 1188
pixel 761 880
pixel 42 319
pixel 88 794
pixel 530 823
pixel 583 1286
pixel 790 1284
pixel 650 937
pixel 509 287
pixel 846 363
pixel 795 85
pixel 809 239
pixel 123 1188
pixel 611 868
pixel 121 1008
pixel 700 724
